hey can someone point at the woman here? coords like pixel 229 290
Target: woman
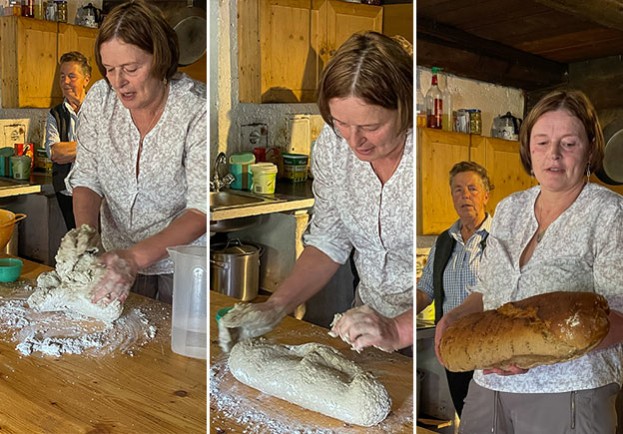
pixel 363 189
pixel 60 132
pixel 141 163
pixel 562 235
pixel 454 259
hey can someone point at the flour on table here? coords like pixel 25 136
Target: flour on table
pixel 314 376
pixel 78 269
pixel 58 333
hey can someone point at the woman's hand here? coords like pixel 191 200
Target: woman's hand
pixel 247 321
pixel 121 271
pixel 364 327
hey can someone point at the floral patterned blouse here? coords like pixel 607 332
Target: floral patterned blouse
pixel 582 250
pixel 353 209
pixel 173 165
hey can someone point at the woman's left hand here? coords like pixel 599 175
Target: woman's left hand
pixel 121 271
pixel 363 327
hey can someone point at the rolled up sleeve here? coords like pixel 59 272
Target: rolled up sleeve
pixel 326 231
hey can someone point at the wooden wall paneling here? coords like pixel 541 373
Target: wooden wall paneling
pixel 249 70
pixel 8 62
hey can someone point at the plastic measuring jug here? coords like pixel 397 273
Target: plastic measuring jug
pixel 189 328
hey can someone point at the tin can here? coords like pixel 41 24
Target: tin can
pixel 475 122
pixel 461 123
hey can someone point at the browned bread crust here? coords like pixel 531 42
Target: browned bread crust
pixel 539 330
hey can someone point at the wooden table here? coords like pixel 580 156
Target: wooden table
pixel 152 391
pixel 230 400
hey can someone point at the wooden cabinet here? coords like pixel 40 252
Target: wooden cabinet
pixel 29 53
pixel 283 45
pixel 503 163
pixel 438 151
pixel 82 39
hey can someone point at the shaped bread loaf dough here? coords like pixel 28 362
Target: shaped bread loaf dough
pixel 314 376
pixel 68 288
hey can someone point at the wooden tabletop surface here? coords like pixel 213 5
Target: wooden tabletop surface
pixel 153 390
pixel 237 408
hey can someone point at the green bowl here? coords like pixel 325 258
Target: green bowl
pixel 10 269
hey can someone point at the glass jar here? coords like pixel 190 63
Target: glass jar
pixel 61 11
pixel 50 11
pixel 475 122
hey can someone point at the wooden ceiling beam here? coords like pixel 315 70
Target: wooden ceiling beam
pixel 469 56
pixel 608 13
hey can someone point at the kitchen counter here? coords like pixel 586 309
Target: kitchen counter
pixel 13 187
pixel 152 390
pixel 235 407
pixel 288 197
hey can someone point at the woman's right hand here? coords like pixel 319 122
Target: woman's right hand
pixel 247 321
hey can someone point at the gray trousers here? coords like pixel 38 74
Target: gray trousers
pixel 589 411
pixel 158 286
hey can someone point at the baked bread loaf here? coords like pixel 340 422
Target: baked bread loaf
pixel 540 330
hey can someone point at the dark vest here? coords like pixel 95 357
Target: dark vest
pixel 63 121
pixel 443 250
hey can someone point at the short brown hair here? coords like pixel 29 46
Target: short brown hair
pixel 470 166
pixel 577 104
pixel 80 59
pixel 144 26
pixel 373 67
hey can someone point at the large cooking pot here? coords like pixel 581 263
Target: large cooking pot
pixel 235 269
pixel 612 171
pixel 190 25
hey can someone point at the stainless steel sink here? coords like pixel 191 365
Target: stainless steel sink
pixel 227 200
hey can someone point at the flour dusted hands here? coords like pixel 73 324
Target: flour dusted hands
pixel 364 327
pixel 246 321
pixel 121 271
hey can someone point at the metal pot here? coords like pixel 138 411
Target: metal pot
pixel 190 25
pixel 235 269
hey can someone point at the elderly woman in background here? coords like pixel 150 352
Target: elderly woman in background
pixel 60 131
pixel 454 259
pixel 363 190
pixel 565 234
pixel 141 164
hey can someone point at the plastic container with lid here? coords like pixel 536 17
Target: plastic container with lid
pixel 295 167
pixel 240 167
pixel 264 178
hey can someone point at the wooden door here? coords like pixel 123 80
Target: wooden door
pixel 289 37
pixel 28 57
pixel 437 152
pixel 343 19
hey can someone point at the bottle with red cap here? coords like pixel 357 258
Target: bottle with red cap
pixel 434 103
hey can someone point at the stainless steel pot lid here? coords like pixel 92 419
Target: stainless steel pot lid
pixel 612 170
pixel 234 247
